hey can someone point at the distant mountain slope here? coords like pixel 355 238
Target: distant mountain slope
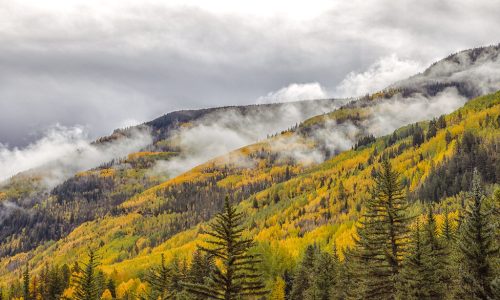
pixel 472 72
pixel 295 208
pixel 26 203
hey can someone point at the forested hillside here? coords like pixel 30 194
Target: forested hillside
pixel 304 196
pixel 288 208
pixel 35 213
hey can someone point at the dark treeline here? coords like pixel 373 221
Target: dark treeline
pixel 455 174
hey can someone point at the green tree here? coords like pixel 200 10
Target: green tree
pixel 323 279
pixel 111 286
pixel 160 280
pixel 447 137
pixel 432 130
pixel 55 284
pixel 435 260
pixel 477 246
pixel 302 279
pixel 85 282
pixel 26 283
pixel 418 135
pixel 201 267
pixel 382 235
pixel 411 281
pixel 441 122
pixel 237 277
pixel 448 231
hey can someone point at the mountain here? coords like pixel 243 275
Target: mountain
pixel 472 72
pixel 306 184
pixel 52 213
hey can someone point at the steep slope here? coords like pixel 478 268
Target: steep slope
pixel 319 205
pixel 124 207
pixel 33 214
pixel 472 72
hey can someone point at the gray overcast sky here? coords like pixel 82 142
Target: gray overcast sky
pixel 108 64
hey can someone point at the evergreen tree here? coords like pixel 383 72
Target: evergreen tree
pixel 418 136
pixel 435 260
pixel 26 283
pixel 66 276
pixel 55 283
pixel 85 281
pixel 441 122
pixel 237 277
pixel 350 281
pixel 382 235
pixel 160 281
pixel 411 281
pixel 288 279
pixel 111 286
pixel 448 137
pixel 179 275
pixel 323 278
pixel 477 246
pixel 335 287
pixel 432 130
pixel 302 279
pixel 202 265
pixel 448 232
pixel 100 280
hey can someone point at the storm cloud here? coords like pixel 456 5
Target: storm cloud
pixel 111 64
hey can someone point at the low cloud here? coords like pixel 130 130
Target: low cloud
pixel 63 151
pixel 6 208
pixel 223 131
pixel 295 92
pixel 331 138
pixel 398 111
pixel 378 76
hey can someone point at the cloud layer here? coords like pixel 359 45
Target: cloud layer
pixel 64 151
pixel 223 131
pixel 114 64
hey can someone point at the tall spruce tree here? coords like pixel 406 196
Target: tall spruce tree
pixel 411 280
pixel 111 286
pixel 349 285
pixel 448 231
pixel 323 278
pixel 201 267
pixel 336 286
pixel 26 283
pixel 160 280
pixel 302 279
pixel 477 245
pixel 237 277
pixel 85 281
pixel 436 271
pixel 382 235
